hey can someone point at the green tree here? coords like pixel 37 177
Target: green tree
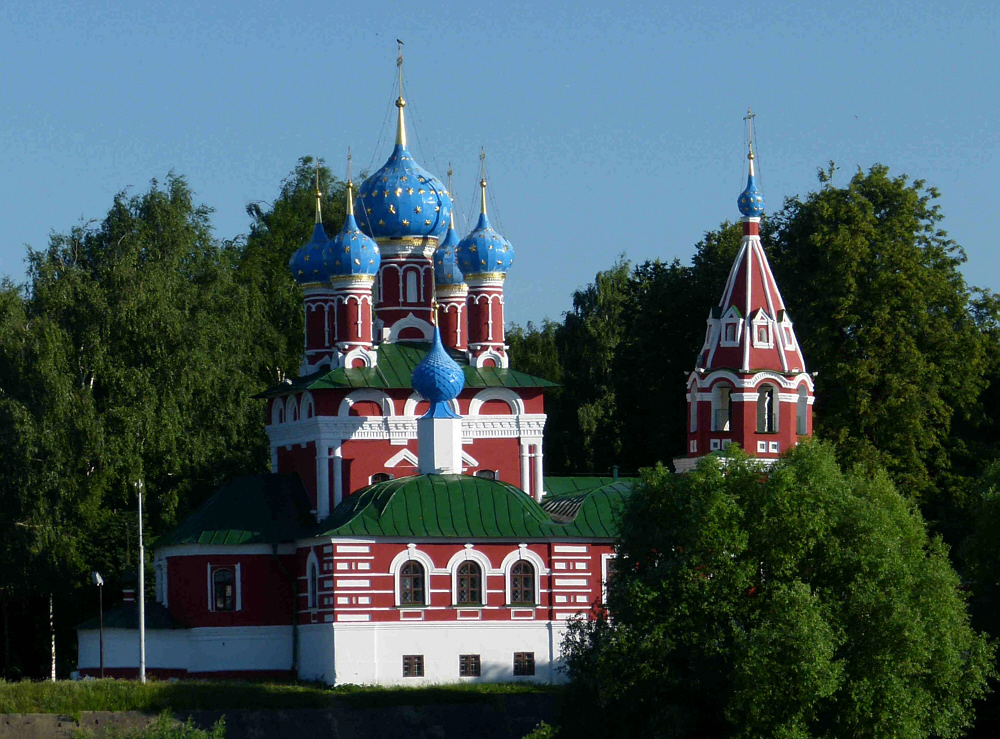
pixel 805 602
pixel 884 315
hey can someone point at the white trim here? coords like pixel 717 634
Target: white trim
pixel 312 597
pixel 410 406
pixel 485 567
pixel 410 321
pixel 499 360
pixel 411 553
pixel 181 550
pixel 307 404
pixel 512 399
pixel 239 587
pixel 403 455
pixel 522 552
pixel 369 395
pixel 368 356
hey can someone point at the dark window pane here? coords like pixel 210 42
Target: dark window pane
pixel 524 663
pixel 413 665
pixel 469 665
pixel 411 584
pixel 522 582
pixel 470 583
pixel 223 587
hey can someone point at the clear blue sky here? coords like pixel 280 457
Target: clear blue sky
pixel 607 129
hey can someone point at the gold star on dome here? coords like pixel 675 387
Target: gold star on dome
pixel 368 211
pixel 403 178
pixel 385 193
pixel 306 258
pixel 409 191
pixel 437 208
pixel 406 222
pixel 420 191
pixel 385 179
pixel 417 209
pixel 381 222
pixel 427 221
pixel 399 191
pixel 357 262
pixel 392 208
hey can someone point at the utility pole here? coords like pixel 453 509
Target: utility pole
pixel 99 582
pixel 52 635
pixel 142 595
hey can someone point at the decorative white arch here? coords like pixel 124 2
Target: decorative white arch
pixel 468 554
pixel 307 406
pixel 411 321
pixel 278 411
pixel 410 407
pixel 366 394
pixel 512 399
pixel 499 360
pixel 368 356
pixel 522 552
pixel 403 455
pixel 411 553
pixel 292 409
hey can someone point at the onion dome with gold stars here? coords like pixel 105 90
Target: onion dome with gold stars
pixel 484 251
pixel 402 199
pixel 751 200
pixel 351 252
pixel 446 271
pixel 306 264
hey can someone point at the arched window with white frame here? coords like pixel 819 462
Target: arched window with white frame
pixel 722 406
pixel 802 412
pixel 767 409
pixel 412 584
pixel 523 580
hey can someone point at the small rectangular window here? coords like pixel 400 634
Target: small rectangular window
pixel 413 665
pixel 486 474
pixel 730 332
pixel 469 665
pixel 524 663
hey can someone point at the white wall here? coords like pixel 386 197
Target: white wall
pixel 373 653
pixel 164 648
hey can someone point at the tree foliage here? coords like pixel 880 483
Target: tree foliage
pixel 801 603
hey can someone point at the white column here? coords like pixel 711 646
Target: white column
pixel 539 484
pixel 338 475
pixel 274 459
pixel 525 468
pixel 322 480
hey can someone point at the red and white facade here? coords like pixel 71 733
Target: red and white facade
pixel 750 384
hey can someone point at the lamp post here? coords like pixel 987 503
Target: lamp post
pixel 142 595
pixel 96 578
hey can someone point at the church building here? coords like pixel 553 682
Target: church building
pixel 407 532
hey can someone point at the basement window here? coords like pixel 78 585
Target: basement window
pixel 470 665
pixel 524 664
pixel 413 665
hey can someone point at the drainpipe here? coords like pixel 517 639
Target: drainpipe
pixel 295 608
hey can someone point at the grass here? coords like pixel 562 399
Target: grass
pixel 70 698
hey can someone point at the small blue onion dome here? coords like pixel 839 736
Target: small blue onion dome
pixel 446 271
pixel 306 264
pixel 751 200
pixel 351 252
pixel 484 250
pixel 439 379
pixel 403 199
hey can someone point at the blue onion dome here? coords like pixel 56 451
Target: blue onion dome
pixel 402 198
pixel 439 379
pixel 351 252
pixel 306 264
pixel 751 200
pixel 484 251
pixel 446 271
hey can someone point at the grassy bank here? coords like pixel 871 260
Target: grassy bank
pixel 70 698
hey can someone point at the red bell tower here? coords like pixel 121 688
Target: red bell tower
pixel 749 386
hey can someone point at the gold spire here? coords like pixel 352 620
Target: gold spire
pixel 482 180
pixel 451 216
pixel 400 103
pixel 749 119
pixel 319 194
pixel 350 185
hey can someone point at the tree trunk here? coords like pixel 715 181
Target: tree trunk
pixel 52 635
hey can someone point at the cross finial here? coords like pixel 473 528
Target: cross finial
pixel 319 194
pixel 749 119
pixel 350 184
pixel 400 102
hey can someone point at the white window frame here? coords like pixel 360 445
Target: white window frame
pixel 237 576
pixel 312 584
pixel 605 558
pixel 762 321
pixel 522 552
pixel 412 553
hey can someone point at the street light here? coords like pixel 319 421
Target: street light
pixel 95 577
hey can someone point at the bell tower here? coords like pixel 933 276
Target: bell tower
pixel 749 385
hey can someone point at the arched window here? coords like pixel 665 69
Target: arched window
pixel 767 410
pixel 412 291
pixel 470 584
pixel 381 477
pixel 802 412
pixel 722 407
pixel 486 474
pixel 522 583
pixel 313 581
pixel 224 589
pixel 411 584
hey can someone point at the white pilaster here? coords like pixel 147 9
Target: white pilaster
pixel 338 475
pixel 525 468
pixel 439 446
pixel 539 484
pixel 274 459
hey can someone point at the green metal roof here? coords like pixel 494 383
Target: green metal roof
pixel 251 509
pixel 468 507
pixel 394 368
pixel 577 484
